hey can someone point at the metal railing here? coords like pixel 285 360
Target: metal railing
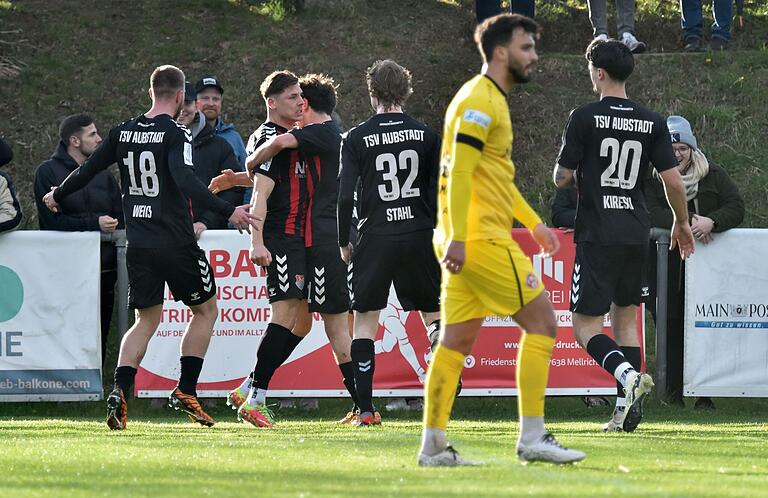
pixel 118 239
pixel 662 237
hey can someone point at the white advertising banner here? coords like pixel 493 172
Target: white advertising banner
pixel 49 316
pixel 726 316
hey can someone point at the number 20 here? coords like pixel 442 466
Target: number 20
pixel 619 154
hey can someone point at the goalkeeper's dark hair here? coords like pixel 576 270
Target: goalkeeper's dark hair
pixel 498 30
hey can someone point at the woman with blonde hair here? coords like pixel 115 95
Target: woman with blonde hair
pixel 714 206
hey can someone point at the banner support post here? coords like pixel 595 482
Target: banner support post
pixel 119 240
pixel 662 238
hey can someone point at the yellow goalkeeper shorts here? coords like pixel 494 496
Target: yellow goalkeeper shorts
pixel 497 279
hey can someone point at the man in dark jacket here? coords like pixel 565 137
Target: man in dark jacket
pixel 97 207
pixel 212 154
pixel 10 211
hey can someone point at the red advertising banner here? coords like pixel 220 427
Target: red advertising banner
pixel 402 348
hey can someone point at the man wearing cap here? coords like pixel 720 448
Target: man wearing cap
pixel 212 154
pixel 209 97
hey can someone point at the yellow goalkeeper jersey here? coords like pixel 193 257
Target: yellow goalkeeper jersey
pixel 477 197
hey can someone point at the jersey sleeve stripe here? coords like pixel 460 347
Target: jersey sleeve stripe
pixel 470 140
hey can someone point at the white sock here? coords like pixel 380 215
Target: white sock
pixel 433 441
pixel 621 402
pixel 621 372
pixel 257 396
pixel 246 385
pixel 531 429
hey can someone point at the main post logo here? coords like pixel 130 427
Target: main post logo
pixel 11 294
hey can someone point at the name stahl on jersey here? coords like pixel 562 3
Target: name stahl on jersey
pixel 319 145
pixel 611 145
pixel 154 156
pixel 396 159
pixel 287 204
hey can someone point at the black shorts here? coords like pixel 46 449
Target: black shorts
pixel 185 269
pixel 327 275
pixel 286 273
pixel 407 260
pixel 605 274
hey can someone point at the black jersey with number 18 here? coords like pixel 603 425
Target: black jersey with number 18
pixel 610 144
pixel 396 159
pixel 154 156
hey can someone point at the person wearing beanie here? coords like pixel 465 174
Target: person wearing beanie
pixel 714 206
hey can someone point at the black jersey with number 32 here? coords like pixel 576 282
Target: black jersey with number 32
pixel 396 159
pixel 610 144
pixel 154 156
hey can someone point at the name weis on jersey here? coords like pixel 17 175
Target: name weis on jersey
pixel 393 137
pixel 623 124
pixel 617 202
pixel 142 211
pixel 399 214
pixel 141 137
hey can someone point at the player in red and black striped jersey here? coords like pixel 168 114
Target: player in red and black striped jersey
pixel 319 143
pixel 608 147
pixel 395 158
pixel 154 155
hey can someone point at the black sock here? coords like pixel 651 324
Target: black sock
pixel 190 372
pixel 433 333
pixel 275 348
pixel 363 360
pixel 348 373
pixel 124 378
pixel 606 352
pixel 632 354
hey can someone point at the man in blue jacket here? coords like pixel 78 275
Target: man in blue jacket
pixel 97 207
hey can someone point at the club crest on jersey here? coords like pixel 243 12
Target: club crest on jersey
pixel 265 165
pixel 477 117
pixel 300 282
pixel 531 280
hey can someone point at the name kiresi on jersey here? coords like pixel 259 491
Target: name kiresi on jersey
pixel 612 144
pixel 396 159
pixel 154 156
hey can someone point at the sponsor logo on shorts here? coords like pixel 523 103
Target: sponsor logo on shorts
pixel 194 296
pixel 531 281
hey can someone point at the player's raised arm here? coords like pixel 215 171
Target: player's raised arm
pixel 182 169
pixel 100 160
pixel 270 149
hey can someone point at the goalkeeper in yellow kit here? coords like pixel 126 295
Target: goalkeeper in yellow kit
pixel 485 272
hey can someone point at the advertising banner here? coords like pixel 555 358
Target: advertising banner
pixel 402 347
pixel 726 316
pixel 50 340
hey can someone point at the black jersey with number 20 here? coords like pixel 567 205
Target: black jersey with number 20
pixel 396 159
pixel 610 144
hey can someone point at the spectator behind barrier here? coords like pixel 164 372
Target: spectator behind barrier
pixel 97 207
pixel 692 22
pixel 210 95
pixel 10 210
pixel 625 23
pixel 714 206
pixel 212 154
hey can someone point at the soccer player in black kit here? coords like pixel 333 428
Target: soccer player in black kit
pixel 319 142
pixel 396 160
pixel 607 149
pixel 154 154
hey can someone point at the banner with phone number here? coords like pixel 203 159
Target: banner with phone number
pixel 402 348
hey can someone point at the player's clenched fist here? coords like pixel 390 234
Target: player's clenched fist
pixel 260 255
pixel 547 240
pixel 454 257
pixel 49 202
